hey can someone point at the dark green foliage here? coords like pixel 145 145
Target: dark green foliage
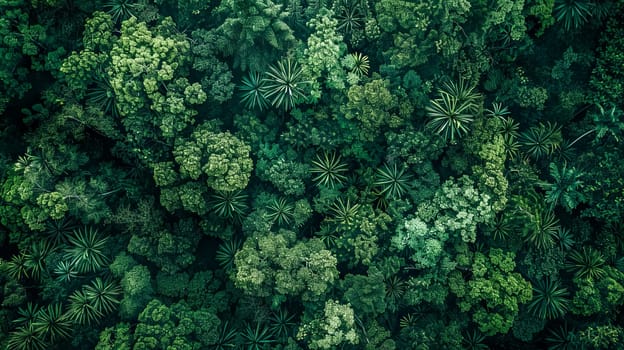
pixel 549 299
pixel 35 258
pixel 350 15
pixel 561 338
pixel 360 64
pixel 565 188
pixel 17 267
pixel 27 315
pixel 281 323
pixel 565 238
pixel 227 337
pixel 284 84
pixel 328 170
pixel 86 250
pixel 543 230
pixel 473 341
pixel 586 263
pixel 65 271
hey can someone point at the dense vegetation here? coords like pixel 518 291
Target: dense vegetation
pixel 311 174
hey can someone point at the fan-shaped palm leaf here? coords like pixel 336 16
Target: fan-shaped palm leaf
pixel 229 204
pixel 394 182
pixel 549 299
pixel 81 309
pixel 104 295
pixel 253 91
pixel 226 252
pixel 284 84
pixel 280 210
pixel 26 338
pixel 86 250
pixel 328 169
pixel 53 323
pixel 586 263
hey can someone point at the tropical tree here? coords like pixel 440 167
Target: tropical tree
pixel 329 170
pixel 549 299
pixel 86 250
pixel 284 84
pixel 452 112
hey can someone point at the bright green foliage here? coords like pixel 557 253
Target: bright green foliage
pixel 282 169
pixel 284 84
pixel 323 52
pixel 218 157
pixel 344 212
pixel 251 25
pixel 426 243
pixel 52 323
pixel 602 336
pixel 374 107
pixel 462 207
pixel 281 211
pixel 328 169
pixel 275 263
pixel 141 62
pixel 334 326
pixel 216 75
pixel 599 296
pixel 453 110
pixel 175 327
pixel 366 294
pixel 115 338
pixel 86 250
pixel 549 299
pixel 493 292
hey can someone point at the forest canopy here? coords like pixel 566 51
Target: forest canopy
pixel 311 174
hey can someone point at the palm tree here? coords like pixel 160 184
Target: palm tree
pixel 36 256
pixel 453 110
pixel 474 341
pixel 26 338
pixel 28 314
pixel 281 323
pixel 229 204
pixel 329 170
pixel 541 140
pixel 280 210
pixel 120 10
pixel 586 263
pixel 562 338
pixel 226 252
pixel 227 337
pixel 360 64
pixel 573 13
pixel 350 15
pixel 344 212
pixel 104 295
pixel 257 338
pixel 65 271
pixel 549 299
pixel 564 190
pixel 284 84
pixel 53 323
pixel 394 182
pixel 543 229
pixel 17 268
pixel 253 91
pixel 81 309
pixel 86 250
